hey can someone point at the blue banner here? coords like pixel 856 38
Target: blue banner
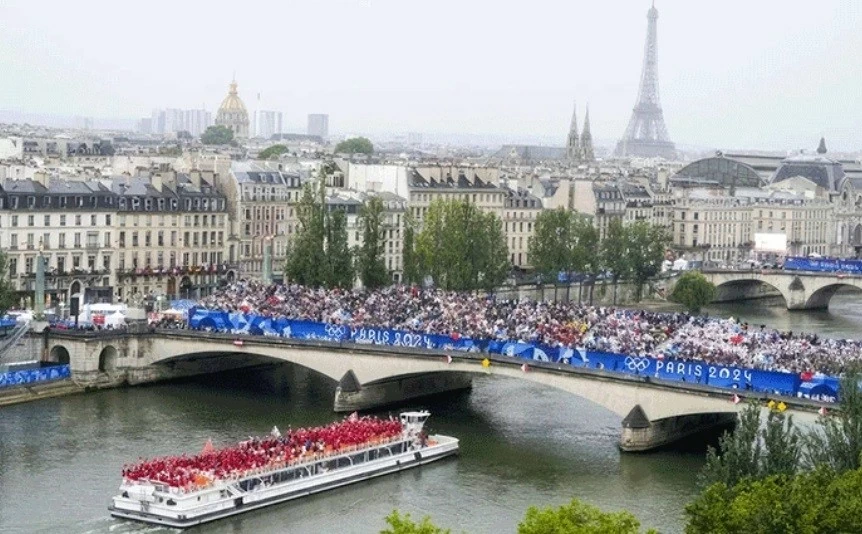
pixel 32 376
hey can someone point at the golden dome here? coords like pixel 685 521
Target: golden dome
pixel 232 102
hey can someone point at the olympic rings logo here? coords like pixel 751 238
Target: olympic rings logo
pixel 633 363
pixel 335 331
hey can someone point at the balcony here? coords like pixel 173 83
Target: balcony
pixel 173 271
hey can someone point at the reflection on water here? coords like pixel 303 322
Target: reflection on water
pixel 521 445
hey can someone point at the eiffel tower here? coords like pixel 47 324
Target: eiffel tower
pixel 646 134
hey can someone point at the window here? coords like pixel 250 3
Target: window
pixel 62 240
pixel 77 220
pixel 47 220
pixel 108 220
pixel 134 239
pixel 107 239
pixel 77 239
pixel 46 241
pixel 14 241
pixel 13 266
pixel 14 220
pixel 92 220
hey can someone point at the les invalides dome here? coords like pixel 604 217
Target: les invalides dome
pixel 233 114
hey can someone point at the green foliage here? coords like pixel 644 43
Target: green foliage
pixel 752 452
pixel 339 258
pixel 577 518
pixel 646 244
pixel 563 241
pixel 355 145
pixel 613 250
pixel 819 501
pixel 369 257
pixel 693 291
pixel 217 135
pixel 837 442
pixel 319 254
pixel 7 296
pixel 462 248
pixel 403 524
pixel 409 259
pixel 272 152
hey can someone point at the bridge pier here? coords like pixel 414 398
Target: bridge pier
pixel 639 434
pixel 351 396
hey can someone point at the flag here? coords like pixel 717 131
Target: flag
pixel 525 368
pixel 736 399
pixel 486 363
pixel 770 404
pixel 822 411
pixel 208 447
pixel 448 359
pixel 781 406
pixel 275 433
pixel 353 417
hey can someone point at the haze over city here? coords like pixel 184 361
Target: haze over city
pixel 759 75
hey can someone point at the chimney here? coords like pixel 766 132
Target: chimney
pixel 156 181
pixel 42 178
pixel 195 177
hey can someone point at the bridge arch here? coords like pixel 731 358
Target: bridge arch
pixel 819 299
pixel 108 359
pixel 746 289
pixel 59 354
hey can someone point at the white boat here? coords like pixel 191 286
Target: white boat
pixel 160 504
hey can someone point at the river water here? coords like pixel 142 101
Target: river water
pixel 520 445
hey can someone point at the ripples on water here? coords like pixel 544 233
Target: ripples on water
pixel 521 445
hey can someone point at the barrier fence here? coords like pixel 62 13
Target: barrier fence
pixel 822 388
pixel 34 376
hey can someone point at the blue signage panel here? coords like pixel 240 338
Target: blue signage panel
pixel 32 376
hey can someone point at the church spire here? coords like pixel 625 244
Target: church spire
pixel 587 152
pixel 573 146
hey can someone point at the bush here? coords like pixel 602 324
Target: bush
pixel 693 291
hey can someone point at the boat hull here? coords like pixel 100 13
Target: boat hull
pixel 445 447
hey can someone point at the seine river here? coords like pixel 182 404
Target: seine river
pixel 521 445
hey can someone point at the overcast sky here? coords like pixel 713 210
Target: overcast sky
pixel 770 74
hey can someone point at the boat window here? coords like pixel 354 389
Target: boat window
pixel 172 502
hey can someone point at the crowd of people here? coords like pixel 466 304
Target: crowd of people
pixel 261 454
pixel 572 325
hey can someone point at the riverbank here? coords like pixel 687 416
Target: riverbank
pixel 18 395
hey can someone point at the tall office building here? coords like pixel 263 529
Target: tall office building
pixel 267 123
pixel 196 121
pixel 318 124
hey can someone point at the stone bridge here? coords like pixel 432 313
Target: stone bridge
pixel 800 290
pixel 653 412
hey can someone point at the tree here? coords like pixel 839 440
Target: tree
pixel 355 145
pixel 646 245
pixel 837 442
pixel 752 452
pixel 613 252
pixel 693 291
pixel 578 518
pixel 272 152
pixel 7 296
pixel 217 135
pixel 549 247
pixel 819 501
pixel 403 524
pixel 369 257
pixel 409 259
pixel 339 258
pixel 461 248
pixel 307 258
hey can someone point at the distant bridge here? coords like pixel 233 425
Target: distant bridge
pixel 800 290
pixel 655 412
